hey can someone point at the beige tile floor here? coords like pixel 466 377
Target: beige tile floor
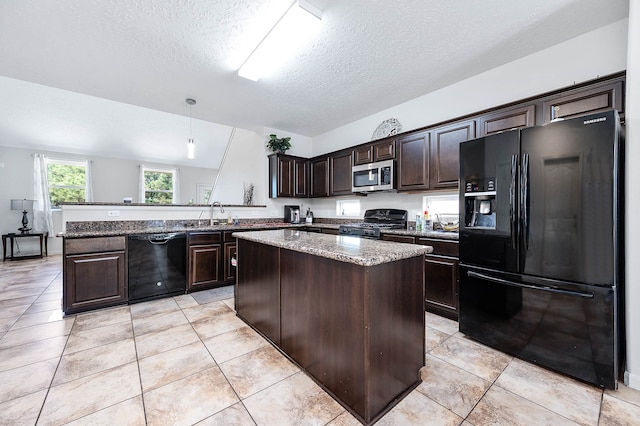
pixel 189 360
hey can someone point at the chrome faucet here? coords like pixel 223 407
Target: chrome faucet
pixel 211 214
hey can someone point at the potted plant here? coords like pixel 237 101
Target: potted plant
pixel 280 145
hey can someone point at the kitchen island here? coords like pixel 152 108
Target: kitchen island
pixel 348 311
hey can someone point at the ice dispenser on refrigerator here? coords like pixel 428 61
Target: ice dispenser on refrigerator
pixel 480 200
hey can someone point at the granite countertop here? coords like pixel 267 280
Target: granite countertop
pixel 101 232
pixel 116 228
pixel 360 251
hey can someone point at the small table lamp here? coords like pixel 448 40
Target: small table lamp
pixel 24 205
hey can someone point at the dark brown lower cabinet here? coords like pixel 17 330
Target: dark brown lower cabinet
pixel 94 273
pixel 441 292
pixel 205 260
pixel 229 262
pixel 441 277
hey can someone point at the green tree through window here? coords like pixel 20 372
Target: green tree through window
pixel 67 181
pixel 158 186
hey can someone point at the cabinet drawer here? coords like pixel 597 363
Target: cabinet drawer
pixel 197 238
pixel 440 247
pixel 228 236
pixel 94 245
pixel 399 238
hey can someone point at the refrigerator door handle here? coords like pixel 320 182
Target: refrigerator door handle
pixel 496 280
pixel 512 199
pixel 524 198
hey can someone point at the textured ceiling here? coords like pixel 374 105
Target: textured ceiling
pixel 368 56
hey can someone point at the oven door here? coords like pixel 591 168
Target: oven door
pixel 566 327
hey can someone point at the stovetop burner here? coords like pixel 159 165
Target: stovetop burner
pixel 374 221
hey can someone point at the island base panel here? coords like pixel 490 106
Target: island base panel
pixel 257 300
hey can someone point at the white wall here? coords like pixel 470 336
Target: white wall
pixel 632 117
pixel 247 162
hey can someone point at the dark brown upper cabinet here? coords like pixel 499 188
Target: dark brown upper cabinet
pixel 428 158
pixel 288 176
pixel 413 161
pixel 586 100
pixel 506 119
pixel 363 154
pixel 319 177
pixel 301 179
pixel 384 150
pixel 445 153
pixel 341 181
pixel 377 151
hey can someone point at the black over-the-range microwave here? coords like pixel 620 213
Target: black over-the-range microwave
pixel 379 176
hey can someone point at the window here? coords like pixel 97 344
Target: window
pixel 348 208
pixel 159 185
pixel 67 181
pixel 203 193
pixel 441 207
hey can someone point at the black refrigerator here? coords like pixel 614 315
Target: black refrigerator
pixel 541 245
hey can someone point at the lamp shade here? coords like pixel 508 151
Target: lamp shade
pixel 22 204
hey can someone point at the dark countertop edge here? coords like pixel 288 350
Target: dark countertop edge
pixel 387 251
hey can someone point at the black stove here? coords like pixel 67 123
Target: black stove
pixel 376 220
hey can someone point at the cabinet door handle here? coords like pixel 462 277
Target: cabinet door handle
pixel 512 200
pixel 524 198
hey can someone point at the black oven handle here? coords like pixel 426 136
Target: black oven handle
pixel 496 280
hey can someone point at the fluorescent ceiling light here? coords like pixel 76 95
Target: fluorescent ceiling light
pixel 289 34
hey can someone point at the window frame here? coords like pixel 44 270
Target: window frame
pixel 340 211
pixel 67 162
pixel 173 172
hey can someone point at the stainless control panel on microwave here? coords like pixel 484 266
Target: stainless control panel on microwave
pixel 378 176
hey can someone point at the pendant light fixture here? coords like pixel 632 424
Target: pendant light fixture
pixel 191 146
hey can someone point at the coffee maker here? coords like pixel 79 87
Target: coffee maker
pixel 292 214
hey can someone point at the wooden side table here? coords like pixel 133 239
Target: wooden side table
pixel 12 238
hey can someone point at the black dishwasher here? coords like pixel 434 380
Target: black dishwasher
pixel 157 265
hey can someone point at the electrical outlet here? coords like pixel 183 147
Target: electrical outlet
pixel 113 213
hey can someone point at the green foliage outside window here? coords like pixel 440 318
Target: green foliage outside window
pixel 67 183
pixel 158 187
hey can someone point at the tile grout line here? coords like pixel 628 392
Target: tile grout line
pixel 217 365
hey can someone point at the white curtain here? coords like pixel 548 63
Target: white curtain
pixel 89 182
pixel 141 184
pixel 42 220
pixel 176 186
